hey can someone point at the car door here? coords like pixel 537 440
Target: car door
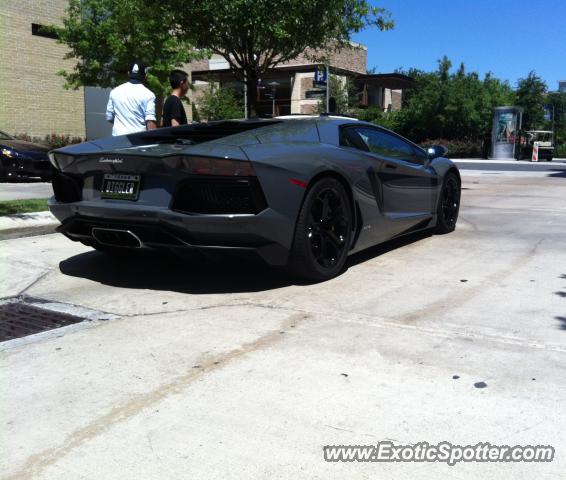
pixel 376 226
pixel 405 180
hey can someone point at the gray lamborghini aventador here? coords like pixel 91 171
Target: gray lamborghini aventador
pixel 299 191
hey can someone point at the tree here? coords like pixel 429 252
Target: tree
pixel 451 106
pixel 558 102
pixel 106 36
pixel 531 96
pixel 254 36
pixel 344 93
pixel 220 104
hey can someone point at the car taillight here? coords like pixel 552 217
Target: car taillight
pixel 60 161
pixel 212 166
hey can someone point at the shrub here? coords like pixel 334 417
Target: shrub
pixel 52 141
pixel 457 148
pixel 373 114
pixel 220 104
pixel 560 151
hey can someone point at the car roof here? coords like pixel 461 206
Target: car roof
pixel 323 116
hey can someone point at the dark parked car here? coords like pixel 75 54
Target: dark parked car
pixel 301 192
pixel 23 159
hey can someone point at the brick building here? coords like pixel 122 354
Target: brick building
pixel 296 90
pixel 32 97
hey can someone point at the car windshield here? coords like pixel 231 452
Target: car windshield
pixel 5 136
pixel 540 136
pixel 543 137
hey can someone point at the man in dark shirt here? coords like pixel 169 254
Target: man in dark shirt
pixel 173 110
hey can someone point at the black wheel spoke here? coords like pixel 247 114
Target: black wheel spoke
pixel 328 227
pixel 334 240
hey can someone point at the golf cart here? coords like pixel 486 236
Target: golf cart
pixel 527 140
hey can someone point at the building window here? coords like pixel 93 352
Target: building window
pixel 42 31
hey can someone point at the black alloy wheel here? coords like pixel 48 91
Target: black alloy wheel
pixel 323 233
pixel 448 205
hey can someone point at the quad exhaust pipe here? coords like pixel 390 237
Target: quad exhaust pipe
pixel 113 237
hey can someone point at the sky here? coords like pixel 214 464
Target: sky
pixel 507 38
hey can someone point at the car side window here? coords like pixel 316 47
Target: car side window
pixel 350 138
pixel 420 156
pixel 387 145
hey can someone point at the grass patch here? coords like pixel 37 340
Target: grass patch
pixel 11 207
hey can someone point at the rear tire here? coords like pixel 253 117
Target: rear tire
pixel 448 204
pixel 323 232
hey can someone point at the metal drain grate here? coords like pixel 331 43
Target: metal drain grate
pixel 18 319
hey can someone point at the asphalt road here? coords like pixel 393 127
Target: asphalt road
pixel 24 190
pixel 228 369
pixel 557 166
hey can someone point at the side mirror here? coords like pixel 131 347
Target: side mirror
pixel 435 151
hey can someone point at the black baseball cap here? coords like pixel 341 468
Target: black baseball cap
pixel 138 70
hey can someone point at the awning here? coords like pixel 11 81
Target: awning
pixel 393 81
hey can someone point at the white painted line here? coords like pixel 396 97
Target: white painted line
pixel 507 173
pixel 508 162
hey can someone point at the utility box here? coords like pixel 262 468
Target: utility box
pixel 96 125
pixel 505 130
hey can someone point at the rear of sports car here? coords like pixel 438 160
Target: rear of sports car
pixel 167 195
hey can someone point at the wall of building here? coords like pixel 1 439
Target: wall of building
pixel 396 100
pixel 353 59
pixel 32 97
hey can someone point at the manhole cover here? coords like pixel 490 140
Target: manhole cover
pixel 19 319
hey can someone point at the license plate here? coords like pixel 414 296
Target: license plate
pixel 120 186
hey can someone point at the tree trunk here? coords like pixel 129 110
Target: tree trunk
pixel 251 83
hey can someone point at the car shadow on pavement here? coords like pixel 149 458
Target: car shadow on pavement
pixel 386 247
pixel 557 173
pixel 157 271
pixel 199 274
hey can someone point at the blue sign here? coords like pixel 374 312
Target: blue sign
pixel 320 76
pixel 548 112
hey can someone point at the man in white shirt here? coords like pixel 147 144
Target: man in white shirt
pixel 131 106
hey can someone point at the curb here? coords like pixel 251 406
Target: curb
pixel 27 224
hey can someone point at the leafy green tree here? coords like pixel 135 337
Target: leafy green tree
pixel 254 36
pixel 531 96
pixel 106 36
pixel 450 105
pixel 558 102
pixel 220 104
pixel 344 93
